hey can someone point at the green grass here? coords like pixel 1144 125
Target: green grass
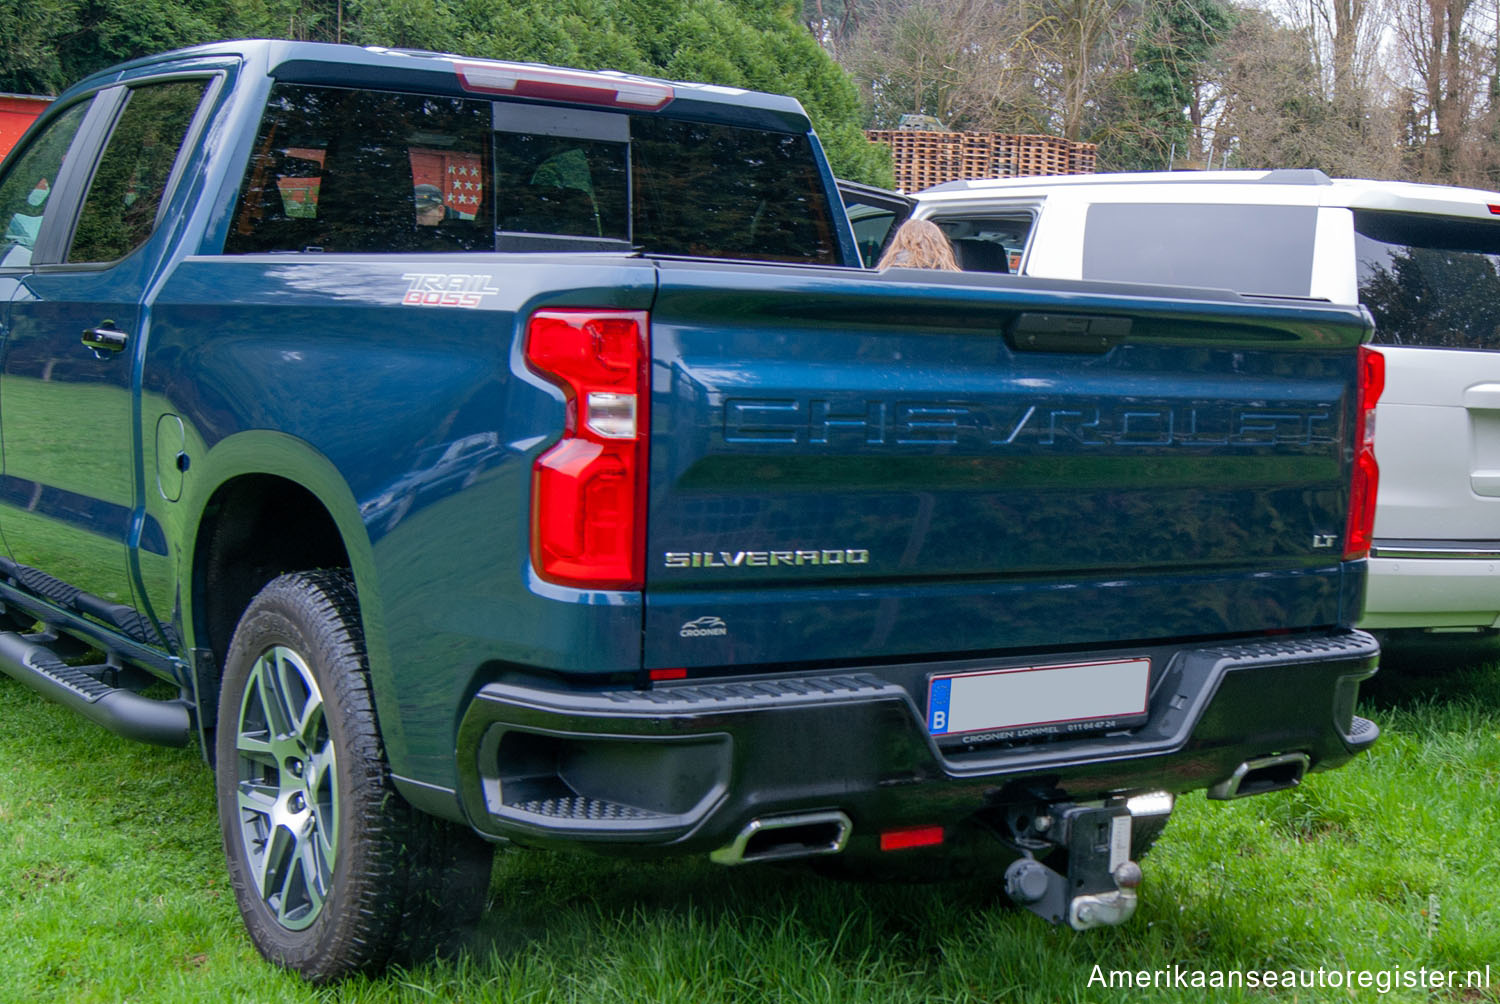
pixel 112 888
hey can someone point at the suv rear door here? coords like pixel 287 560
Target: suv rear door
pixel 1433 285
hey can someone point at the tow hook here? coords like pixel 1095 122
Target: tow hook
pixel 1099 888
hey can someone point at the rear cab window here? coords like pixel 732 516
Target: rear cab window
pixel 339 170
pixel 359 171
pixel 1430 281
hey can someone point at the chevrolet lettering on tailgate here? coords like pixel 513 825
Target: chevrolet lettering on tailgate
pixel 795 421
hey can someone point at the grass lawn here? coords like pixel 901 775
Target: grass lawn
pixel 112 888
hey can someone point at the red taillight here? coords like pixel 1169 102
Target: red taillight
pixel 554 84
pixel 588 493
pixel 1366 478
pixel 921 836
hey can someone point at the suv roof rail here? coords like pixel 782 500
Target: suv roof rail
pixel 1275 176
pixel 1296 176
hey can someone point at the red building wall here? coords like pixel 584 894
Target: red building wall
pixel 17 111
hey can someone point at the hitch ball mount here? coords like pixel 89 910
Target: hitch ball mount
pixel 1099 887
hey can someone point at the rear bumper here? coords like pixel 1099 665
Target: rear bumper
pixel 1425 591
pixel 684 768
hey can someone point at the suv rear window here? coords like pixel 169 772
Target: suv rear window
pixel 369 171
pixel 1431 281
pixel 1258 250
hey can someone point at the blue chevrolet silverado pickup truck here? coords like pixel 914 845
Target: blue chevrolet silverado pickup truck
pixel 465 451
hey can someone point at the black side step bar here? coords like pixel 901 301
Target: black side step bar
pixel 123 712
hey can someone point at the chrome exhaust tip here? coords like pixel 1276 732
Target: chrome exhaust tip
pixel 781 838
pixel 1262 775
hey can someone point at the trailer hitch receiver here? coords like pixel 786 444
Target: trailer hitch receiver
pixel 1099 887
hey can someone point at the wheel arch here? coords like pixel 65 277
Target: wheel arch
pixel 249 485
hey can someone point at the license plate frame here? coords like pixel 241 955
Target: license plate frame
pixel 1038 701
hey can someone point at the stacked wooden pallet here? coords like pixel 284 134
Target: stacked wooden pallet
pixel 1081 158
pixel 924 158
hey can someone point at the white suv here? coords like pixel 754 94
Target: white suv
pixel 1424 259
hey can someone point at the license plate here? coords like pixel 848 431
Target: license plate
pixel 1035 701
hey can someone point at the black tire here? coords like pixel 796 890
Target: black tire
pixel 448 882
pixel 333 871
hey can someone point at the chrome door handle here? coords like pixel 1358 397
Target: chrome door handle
pixel 105 338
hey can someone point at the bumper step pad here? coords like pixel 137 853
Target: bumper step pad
pixel 580 807
pixel 1362 733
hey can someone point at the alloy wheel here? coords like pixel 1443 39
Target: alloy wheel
pixel 287 793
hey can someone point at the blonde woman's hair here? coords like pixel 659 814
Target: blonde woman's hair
pixel 919 244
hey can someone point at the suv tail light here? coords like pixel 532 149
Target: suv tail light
pixel 588 493
pixel 1366 479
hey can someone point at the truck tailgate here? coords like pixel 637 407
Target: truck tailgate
pixel 947 463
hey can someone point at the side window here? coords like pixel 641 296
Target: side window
pixel 1430 281
pixel 343 170
pixel 28 183
pixel 1259 250
pixel 120 209
pixel 987 243
pixel 872 225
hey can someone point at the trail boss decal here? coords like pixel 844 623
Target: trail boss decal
pixel 446 289
pixel 765 559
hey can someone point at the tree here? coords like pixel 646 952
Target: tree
pixel 739 43
pixel 1446 66
pixel 1275 111
pixel 1163 101
pixel 832 22
pixel 965 62
pixel 1081 46
pixel 1003 65
pixel 757 44
pixel 29 60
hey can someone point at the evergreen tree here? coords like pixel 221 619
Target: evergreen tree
pixel 29 60
pixel 1159 109
pixel 757 44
